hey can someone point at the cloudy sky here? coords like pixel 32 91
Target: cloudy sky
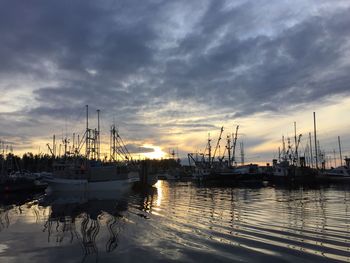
pixel 170 72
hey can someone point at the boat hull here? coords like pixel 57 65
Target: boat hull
pixel 58 184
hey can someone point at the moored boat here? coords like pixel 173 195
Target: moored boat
pixel 68 177
pixel 75 172
pixel 338 174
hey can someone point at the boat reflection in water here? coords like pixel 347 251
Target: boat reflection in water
pixel 183 222
pixel 85 217
pixel 16 203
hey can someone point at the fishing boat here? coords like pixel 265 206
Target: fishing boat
pixel 201 173
pixel 291 165
pixel 250 172
pixel 212 166
pixel 75 172
pixel 284 171
pixel 91 176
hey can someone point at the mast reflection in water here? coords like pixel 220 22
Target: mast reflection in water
pixel 179 221
pixel 81 216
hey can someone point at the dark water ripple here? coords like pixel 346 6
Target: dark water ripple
pixel 181 222
pixel 256 224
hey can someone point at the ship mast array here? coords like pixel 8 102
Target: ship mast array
pixel 91 143
pixel 199 159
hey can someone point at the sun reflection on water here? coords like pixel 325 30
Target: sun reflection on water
pixel 160 187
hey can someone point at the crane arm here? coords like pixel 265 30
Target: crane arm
pixel 218 142
pixel 51 151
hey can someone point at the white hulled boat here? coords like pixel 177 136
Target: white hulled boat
pixel 91 176
pixel 75 172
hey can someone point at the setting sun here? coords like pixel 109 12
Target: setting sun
pixel 157 152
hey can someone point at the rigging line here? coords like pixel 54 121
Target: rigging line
pixel 123 144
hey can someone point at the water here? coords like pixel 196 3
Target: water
pixel 180 221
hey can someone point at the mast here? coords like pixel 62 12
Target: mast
pixel 279 154
pixel 98 135
pixel 234 145
pixel 110 145
pixel 73 142
pixel 320 157
pixel 283 149
pixel 87 133
pixel 289 155
pixel 94 144
pixel 209 148
pixel 295 144
pixel 311 157
pixel 341 158
pixel 315 140
pixel 54 145
pixel 114 150
pixel 228 147
pixel 78 147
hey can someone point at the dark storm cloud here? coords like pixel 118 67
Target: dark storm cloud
pixel 281 71
pixel 134 148
pixel 134 58
pixel 73 35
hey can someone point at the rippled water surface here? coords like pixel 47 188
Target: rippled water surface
pixel 179 221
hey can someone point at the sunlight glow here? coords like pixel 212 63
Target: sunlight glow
pixel 156 154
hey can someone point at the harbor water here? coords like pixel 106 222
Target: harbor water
pixel 180 221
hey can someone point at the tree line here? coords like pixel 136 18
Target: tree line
pixel 44 163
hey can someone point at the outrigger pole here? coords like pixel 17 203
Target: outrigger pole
pixel 341 157
pixel 217 144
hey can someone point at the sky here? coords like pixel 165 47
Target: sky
pixel 168 73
